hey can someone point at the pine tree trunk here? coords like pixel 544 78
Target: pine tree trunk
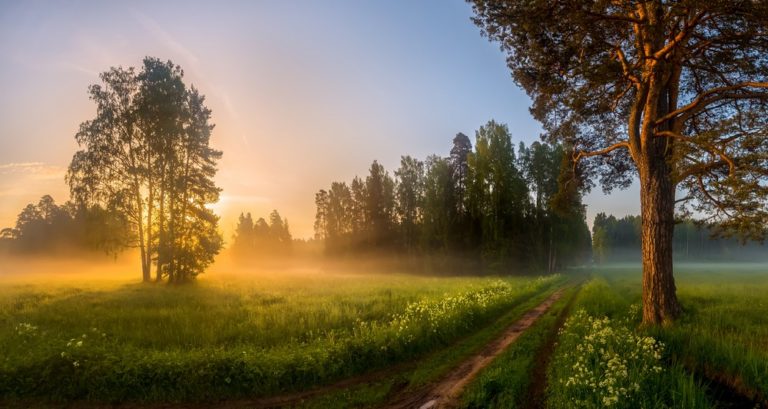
pixel 657 197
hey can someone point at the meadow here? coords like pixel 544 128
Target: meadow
pixel 251 336
pixel 231 336
pixel 715 356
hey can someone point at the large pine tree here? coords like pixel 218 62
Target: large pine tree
pixel 674 93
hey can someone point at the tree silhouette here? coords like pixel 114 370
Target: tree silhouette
pixel 674 93
pixel 146 154
pixel 255 240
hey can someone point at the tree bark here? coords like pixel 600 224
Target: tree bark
pixel 657 199
pixel 146 276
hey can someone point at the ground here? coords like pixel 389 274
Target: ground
pixel 321 339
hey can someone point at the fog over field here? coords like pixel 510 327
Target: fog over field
pixel 442 204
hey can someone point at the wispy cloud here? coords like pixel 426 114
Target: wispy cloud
pixel 67 65
pixel 26 182
pixel 34 170
pixel 154 28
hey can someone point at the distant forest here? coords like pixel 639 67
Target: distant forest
pixel 501 207
pixel 619 240
pixel 47 227
pixel 261 239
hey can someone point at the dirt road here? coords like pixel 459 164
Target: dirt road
pixel 445 392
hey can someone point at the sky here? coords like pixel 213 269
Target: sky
pixel 303 93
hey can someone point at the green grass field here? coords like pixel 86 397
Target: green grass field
pixel 717 349
pixel 230 337
pixel 245 337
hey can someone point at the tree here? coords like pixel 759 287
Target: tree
pixel 461 149
pixel 278 230
pixel 379 204
pixel 46 226
pixel 439 199
pixel 146 155
pixel 675 93
pixel 321 215
pixel 410 199
pixel 339 224
pixel 498 193
pixel 358 219
pixel 253 240
pixel 244 237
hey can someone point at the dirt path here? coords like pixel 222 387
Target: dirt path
pixel 535 397
pixel 445 392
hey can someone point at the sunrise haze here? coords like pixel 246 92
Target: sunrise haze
pixel 302 93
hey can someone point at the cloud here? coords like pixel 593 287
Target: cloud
pixel 34 170
pixel 26 182
pixel 66 65
pixel 165 37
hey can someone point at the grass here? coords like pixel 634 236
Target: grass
pixel 721 335
pixel 505 383
pixel 603 360
pixel 724 331
pixel 233 338
pixel 427 369
pixel 230 338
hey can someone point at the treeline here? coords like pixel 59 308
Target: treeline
pixel 615 239
pixel 48 227
pixel 489 203
pixel 260 239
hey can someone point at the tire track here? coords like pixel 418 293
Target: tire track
pixel 446 392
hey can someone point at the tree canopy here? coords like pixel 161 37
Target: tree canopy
pixel 146 155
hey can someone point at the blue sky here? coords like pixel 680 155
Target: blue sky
pixel 303 92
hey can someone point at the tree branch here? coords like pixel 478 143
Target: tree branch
pixel 703 100
pixel 708 147
pixel 584 154
pixel 625 66
pixel 682 35
pixel 710 197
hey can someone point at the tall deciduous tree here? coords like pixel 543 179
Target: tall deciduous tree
pixel 673 92
pixel 439 199
pixel 146 154
pixel 498 193
pixel 380 203
pixel 410 199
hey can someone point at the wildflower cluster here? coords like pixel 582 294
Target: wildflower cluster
pixel 25 329
pixel 461 311
pixel 76 344
pixel 604 362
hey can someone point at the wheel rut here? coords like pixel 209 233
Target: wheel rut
pixel 445 392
